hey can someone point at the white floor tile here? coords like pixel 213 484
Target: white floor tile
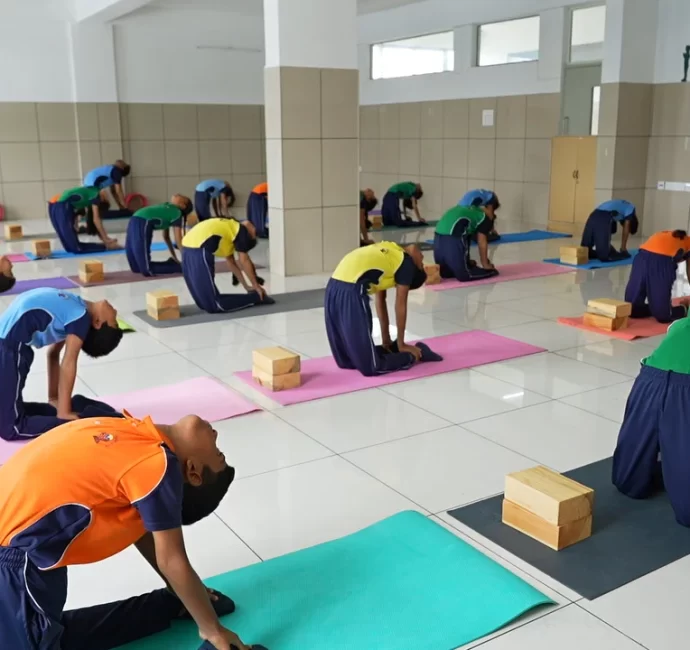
pixel 608 402
pixel 223 360
pixel 551 307
pixel 549 335
pixel 480 315
pixel 613 354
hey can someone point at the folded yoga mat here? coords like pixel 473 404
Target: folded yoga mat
pixel 16 258
pixel 61 255
pixel 53 283
pixel 517 237
pixel 322 377
pixel 284 302
pixel 506 273
pixel 202 396
pixel 637 328
pixel 405 583
pixel 630 538
pixel 596 264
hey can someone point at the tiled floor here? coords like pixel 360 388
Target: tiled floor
pixel 315 471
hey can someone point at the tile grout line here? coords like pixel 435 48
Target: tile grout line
pixel 613 627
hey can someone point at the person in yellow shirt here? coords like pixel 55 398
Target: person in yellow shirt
pixel 365 271
pixel 219 237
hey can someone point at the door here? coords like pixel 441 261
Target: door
pixel 562 191
pixel 585 178
pixel 578 99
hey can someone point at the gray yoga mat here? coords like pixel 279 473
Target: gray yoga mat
pixel 629 539
pixel 284 302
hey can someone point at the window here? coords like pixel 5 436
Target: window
pixel 587 34
pixel 596 107
pixel 512 41
pixel 412 56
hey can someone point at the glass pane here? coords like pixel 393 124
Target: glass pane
pixel 513 41
pixel 596 103
pixel 413 56
pixel 587 34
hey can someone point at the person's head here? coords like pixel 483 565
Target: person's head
pixel 491 206
pixel 182 202
pixel 123 166
pixel 7 279
pixel 418 258
pixel 105 334
pixel 418 193
pixel 228 194
pixel 370 200
pixel 677 234
pixel 201 501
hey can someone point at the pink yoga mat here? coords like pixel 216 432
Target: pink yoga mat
pixel 637 328
pixel 322 378
pixel 9 449
pixel 506 273
pixel 17 257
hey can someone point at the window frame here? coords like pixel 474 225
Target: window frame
pixel 478 38
pixel 409 38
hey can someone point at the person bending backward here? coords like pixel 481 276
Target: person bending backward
pixel 367 202
pixel 221 238
pixel 452 243
pixel 87 490
pixel 140 234
pixel 257 209
pixel 407 194
pixel 483 199
pixel 214 193
pixel 603 223
pixel 653 274
pixel 110 176
pixel 7 279
pixel 59 321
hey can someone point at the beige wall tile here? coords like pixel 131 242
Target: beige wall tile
pixel 671 113
pixel 24 200
pixel 185 185
pixel 410 158
pixel 537 160
pixel 262 123
pixel 53 188
pixel 302 174
pixel 89 157
pixel 214 121
pixel 455 158
pixel 432 120
pixel 384 182
pixel 669 160
pixel 340 171
pixel 18 122
pixel 453 190
pixel 369 155
pixel 214 158
pixel 535 203
pixel 410 120
pixel 340 234
pixel 123 113
pixel 274 172
pixel 511 197
pixel 606 160
pixel 300 97
pixel 154 189
pixel 20 162
pixel 367 179
pixel 389 156
pixel 636 196
pixel 147 158
pixel 389 121
pixel 431 158
pixel 181 158
pixel 431 204
pixel 543 115
pixel 510 160
pixel 481 159
pixel 112 151
pixel 145 122
pixel 456 118
pixel 272 113
pixel 246 156
pixel 87 122
pixel 630 169
pixel 511 117
pixel 245 122
pixel 603 194
pixel 110 121
pixel 635 112
pixel 56 122
pixel 180 122
pixel 303 239
pixel 666 207
pixel 647 225
pixel 609 109
pixel 369 122
pixel 339 103
pixel 242 185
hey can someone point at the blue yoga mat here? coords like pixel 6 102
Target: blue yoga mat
pixel 596 264
pixel 61 255
pixel 516 237
pixel 405 583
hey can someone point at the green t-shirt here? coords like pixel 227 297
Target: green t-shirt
pixel 473 218
pixel 165 214
pixel 80 197
pixel 406 190
pixel 673 353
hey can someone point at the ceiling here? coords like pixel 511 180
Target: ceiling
pixel 255 7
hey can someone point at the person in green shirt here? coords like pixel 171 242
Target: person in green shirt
pixel 140 234
pixel 656 422
pixel 452 242
pixel 395 214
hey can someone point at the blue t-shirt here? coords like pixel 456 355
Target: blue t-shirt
pixel 103 177
pixel 212 187
pixel 623 209
pixel 41 317
pixel 476 198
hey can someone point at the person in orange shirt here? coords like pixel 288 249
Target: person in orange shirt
pixel 653 274
pixel 87 490
pixel 257 209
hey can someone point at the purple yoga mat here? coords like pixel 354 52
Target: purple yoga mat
pixel 52 283
pixel 127 277
pixel 322 378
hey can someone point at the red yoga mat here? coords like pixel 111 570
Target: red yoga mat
pixel 637 328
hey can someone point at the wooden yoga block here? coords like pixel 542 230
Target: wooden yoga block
pixel 376 221
pixel 162 305
pixel 13 231
pixel 277 382
pixel 609 307
pixel 605 323
pixel 41 247
pixel 574 254
pixel 91 271
pixel 276 361
pixel 433 273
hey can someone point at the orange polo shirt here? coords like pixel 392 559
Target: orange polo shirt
pixel 261 188
pixel 664 243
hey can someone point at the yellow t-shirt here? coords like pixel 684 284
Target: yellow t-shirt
pixel 226 229
pixel 376 264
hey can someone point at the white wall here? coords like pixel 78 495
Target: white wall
pixel 672 35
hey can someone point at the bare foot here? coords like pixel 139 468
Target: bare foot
pixel 113 245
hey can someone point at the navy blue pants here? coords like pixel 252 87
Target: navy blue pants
pixel 650 286
pixel 452 254
pixel 257 213
pixel 349 325
pixel 656 420
pixel 62 218
pixel 138 249
pixel 20 420
pixel 202 205
pixel 597 237
pixel 392 214
pixel 199 269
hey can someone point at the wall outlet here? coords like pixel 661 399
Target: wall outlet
pixel 660 185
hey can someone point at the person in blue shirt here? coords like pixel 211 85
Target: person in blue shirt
pixel 7 279
pixel 60 321
pixel 603 223
pixel 110 177
pixel 487 200
pixel 213 193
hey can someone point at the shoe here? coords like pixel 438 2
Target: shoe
pixel 235 281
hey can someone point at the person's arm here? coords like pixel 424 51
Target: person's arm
pixel 483 246
pixel 214 205
pixel 384 321
pixel 415 205
pixel 363 226
pixel 401 294
pixel 247 266
pixel 168 243
pixel 119 196
pixel 237 272
pixel 177 231
pixel 54 371
pixel 98 222
pixel 147 547
pixel 68 375
pixel 625 235
pixel 224 204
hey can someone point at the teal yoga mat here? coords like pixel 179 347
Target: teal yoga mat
pixel 518 237
pixel 405 583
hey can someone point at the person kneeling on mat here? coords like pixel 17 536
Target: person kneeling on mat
pixel 483 199
pixel 57 320
pixel 7 279
pixel 395 214
pixel 221 238
pixel 603 223
pixel 367 202
pixel 656 421
pixel 140 234
pixel 372 270
pixel 257 209
pixel 213 193
pixel 653 275
pixel 453 239
pixel 88 490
